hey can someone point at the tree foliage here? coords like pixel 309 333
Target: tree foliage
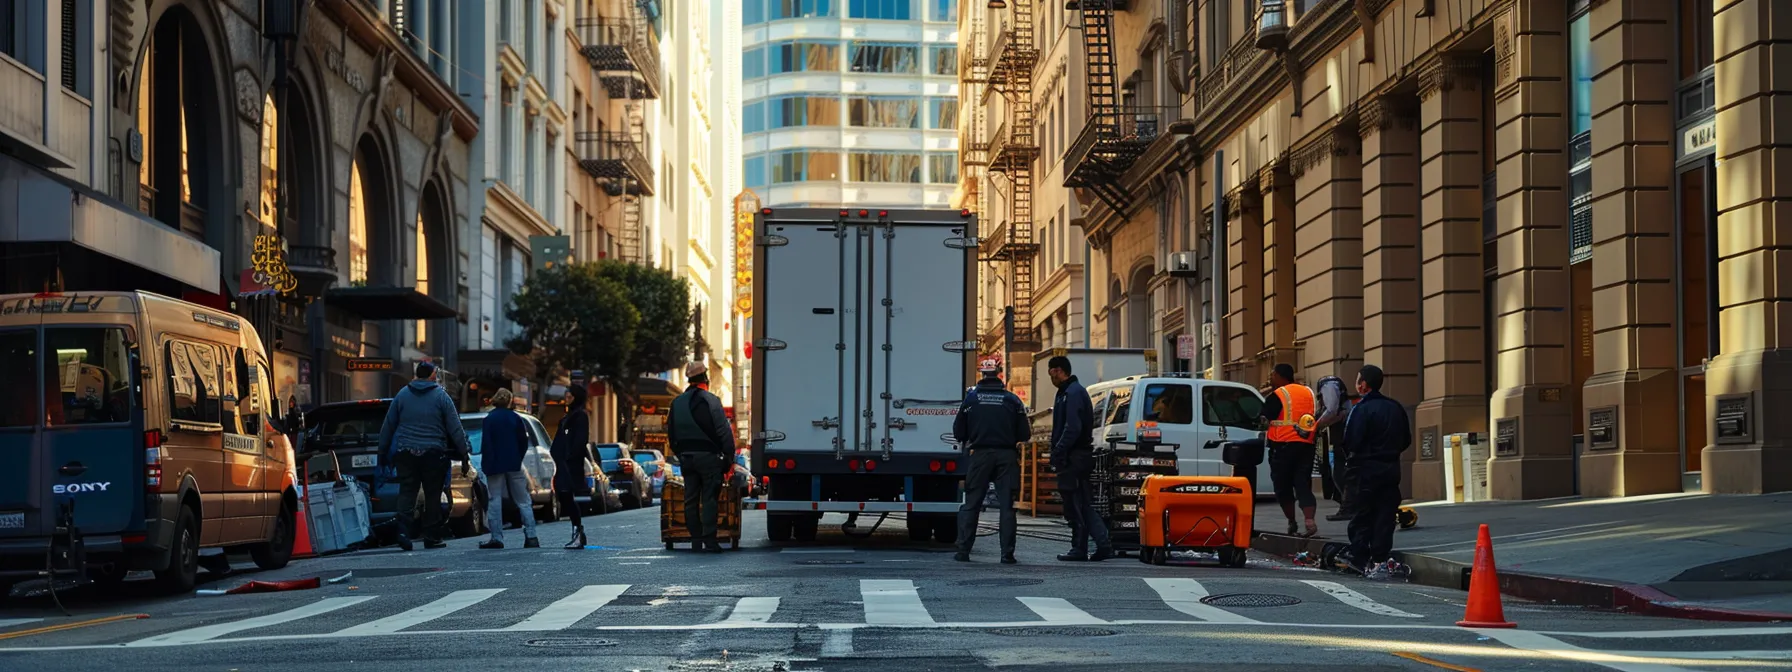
pixel 574 318
pixel 663 335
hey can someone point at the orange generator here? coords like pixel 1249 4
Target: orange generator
pixel 1195 513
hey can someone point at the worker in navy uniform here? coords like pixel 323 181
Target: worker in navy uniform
pixel 1375 435
pixel 1333 406
pixel 991 423
pixel 1073 456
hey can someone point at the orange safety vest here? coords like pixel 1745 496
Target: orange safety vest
pixel 1297 402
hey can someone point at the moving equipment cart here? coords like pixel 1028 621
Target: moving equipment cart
pixel 1120 472
pixel 672 516
pixel 1195 513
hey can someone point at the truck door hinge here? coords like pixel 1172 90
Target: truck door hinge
pixel 770 436
pixel 901 423
pixel 960 346
pixel 770 344
pixel 963 243
pixel 826 423
pixel 773 240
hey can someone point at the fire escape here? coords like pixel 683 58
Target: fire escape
pixel 1011 153
pixel 973 78
pixel 1113 138
pixel 625 57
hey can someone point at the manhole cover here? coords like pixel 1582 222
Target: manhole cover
pixel 1000 583
pixel 569 642
pixel 830 562
pixel 1052 632
pixel 383 572
pixel 1251 600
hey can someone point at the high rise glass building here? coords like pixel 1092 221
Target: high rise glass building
pixel 850 102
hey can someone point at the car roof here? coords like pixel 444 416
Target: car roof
pixel 1131 381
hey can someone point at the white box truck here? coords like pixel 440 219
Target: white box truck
pixel 864 344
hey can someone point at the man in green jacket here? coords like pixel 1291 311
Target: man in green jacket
pixel 699 434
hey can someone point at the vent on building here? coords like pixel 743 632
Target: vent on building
pixel 69 47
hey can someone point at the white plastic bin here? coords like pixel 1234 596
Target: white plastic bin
pixel 340 513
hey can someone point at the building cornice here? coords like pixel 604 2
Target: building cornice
pixel 364 25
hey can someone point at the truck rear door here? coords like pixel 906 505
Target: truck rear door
pixel 812 349
pixel 919 323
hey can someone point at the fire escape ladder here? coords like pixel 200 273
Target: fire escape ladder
pixel 1099 157
pixel 1014 158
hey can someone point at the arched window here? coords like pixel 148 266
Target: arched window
pixel 422 262
pixel 357 226
pixel 270 163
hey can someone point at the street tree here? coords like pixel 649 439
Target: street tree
pixel 573 318
pixel 662 337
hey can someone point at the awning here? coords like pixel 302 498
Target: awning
pixel 388 303
pixel 655 387
pixel 40 207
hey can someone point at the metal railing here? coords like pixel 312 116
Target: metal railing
pixel 614 45
pixel 614 155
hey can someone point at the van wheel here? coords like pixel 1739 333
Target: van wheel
pixel 277 551
pixel 183 556
pixel 109 579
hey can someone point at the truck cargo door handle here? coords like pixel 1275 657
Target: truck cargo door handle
pixel 73 469
pixel 826 423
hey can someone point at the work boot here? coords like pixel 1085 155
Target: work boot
pixel 1342 515
pixel 714 547
pixel 491 545
pixel 578 539
pixel 404 542
pixel 531 542
pixel 1008 559
pixel 1073 556
pixel 1101 554
pixel 961 556
pixel 432 544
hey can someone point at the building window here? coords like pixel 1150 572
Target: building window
pixel 884 112
pixel 489 273
pixel 803 57
pixel 884 57
pixel 800 9
pixel 357 226
pixel 752 11
pixel 506 126
pixel 804 165
pixel 270 163
pixel 885 167
pixel 942 113
pixel 77 45
pixel 1696 50
pixel 945 11
pixel 1580 143
pixel 752 63
pixel 893 10
pixel 752 117
pixel 755 169
pixel 422 262
pixel 791 111
pixel 942 168
pixel 943 59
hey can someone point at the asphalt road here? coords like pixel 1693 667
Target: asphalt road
pixel 875 604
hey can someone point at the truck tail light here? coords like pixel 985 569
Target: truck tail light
pixel 852 464
pixel 933 466
pixel 951 465
pixel 773 463
pixel 789 463
pixel 870 465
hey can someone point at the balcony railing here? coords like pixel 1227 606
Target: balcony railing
pixel 625 54
pixel 616 157
pixel 1117 139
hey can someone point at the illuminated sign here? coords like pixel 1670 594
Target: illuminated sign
pixel 745 207
pixel 268 272
pixel 367 364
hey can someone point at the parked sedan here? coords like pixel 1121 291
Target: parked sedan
pixel 350 430
pixel 538 465
pixel 656 468
pixel 625 475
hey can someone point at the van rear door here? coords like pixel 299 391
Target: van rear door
pixel 70 430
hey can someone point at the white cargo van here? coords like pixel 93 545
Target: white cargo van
pixel 1194 413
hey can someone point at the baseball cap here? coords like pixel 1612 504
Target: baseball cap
pixel 694 369
pixel 425 369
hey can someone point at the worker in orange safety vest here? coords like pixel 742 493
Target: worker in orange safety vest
pixel 1289 412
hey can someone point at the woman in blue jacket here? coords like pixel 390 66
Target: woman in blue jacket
pixel 501 458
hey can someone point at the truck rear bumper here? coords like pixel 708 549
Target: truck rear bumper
pixel 853 507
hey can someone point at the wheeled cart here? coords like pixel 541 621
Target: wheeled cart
pixel 672 516
pixel 1195 513
pixel 1120 472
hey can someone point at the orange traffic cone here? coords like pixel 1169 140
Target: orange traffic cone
pixel 1484 608
pixel 301 542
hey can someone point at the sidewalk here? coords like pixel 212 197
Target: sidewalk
pixel 1687 555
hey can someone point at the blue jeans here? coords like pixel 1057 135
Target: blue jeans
pixel 514 485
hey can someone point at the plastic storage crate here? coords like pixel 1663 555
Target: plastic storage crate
pixel 340 513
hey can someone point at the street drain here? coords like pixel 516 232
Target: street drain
pixel 830 562
pixel 570 643
pixel 384 572
pixel 1000 583
pixel 1251 600
pixel 1052 632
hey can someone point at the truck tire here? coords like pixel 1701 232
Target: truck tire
pixel 945 529
pixel 183 555
pixel 778 526
pixel 277 550
pixel 919 528
pixel 806 527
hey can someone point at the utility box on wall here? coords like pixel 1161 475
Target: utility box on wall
pixel 1465 467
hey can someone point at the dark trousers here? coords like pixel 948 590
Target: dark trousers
pixel 1340 485
pixel 1291 472
pixel 1372 528
pixel 1085 521
pixel 703 476
pixel 1000 466
pixel 429 472
pixel 569 505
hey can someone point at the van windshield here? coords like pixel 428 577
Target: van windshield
pixel 86 377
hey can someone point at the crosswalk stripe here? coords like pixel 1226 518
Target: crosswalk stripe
pixel 453 602
pixel 753 610
pixel 1358 600
pixel 1058 610
pixel 200 634
pixel 893 602
pixel 570 609
pixel 9 622
pixel 1185 595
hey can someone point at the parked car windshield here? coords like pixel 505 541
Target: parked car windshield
pixel 475 431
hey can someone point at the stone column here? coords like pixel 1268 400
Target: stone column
pixel 1244 259
pixel 1633 389
pixel 1749 383
pixel 1450 257
pixel 1278 273
pixel 1328 237
pixel 1532 418
pixel 1391 297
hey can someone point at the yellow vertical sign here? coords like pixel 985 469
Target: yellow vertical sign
pixel 746 207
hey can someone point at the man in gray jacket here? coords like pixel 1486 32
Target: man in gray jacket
pixel 422 426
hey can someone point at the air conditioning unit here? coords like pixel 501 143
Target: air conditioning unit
pixel 1184 265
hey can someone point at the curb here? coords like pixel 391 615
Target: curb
pixel 1428 570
